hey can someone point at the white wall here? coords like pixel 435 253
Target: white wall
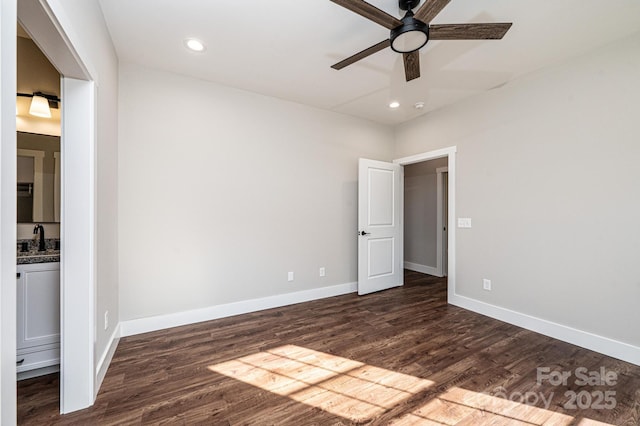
pixel 547 170
pixel 420 214
pixel 222 192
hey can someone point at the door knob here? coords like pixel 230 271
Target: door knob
pixel 364 233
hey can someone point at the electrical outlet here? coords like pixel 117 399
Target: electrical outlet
pixel 486 284
pixel 106 320
pixel 322 271
pixel 290 276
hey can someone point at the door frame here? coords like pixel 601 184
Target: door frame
pixel 8 151
pixel 50 28
pixel 450 154
pixel 440 191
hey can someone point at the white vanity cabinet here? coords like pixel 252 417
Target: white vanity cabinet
pixel 38 319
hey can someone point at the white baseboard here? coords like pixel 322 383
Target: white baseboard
pixel 29 374
pixel 604 345
pixel 594 342
pixel 105 359
pixel 424 269
pixel 159 322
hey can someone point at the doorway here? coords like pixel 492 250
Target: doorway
pixel 38 172
pixel 380 184
pixel 446 230
pixel 423 217
pixel 42 23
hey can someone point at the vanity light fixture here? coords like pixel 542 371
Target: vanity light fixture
pixel 41 104
pixel 39 107
pixel 194 45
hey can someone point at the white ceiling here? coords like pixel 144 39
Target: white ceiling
pixel 284 48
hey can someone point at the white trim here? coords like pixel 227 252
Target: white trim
pixel 439 209
pixel 402 225
pixel 594 342
pixel 52 31
pixel 424 269
pixel 425 156
pixel 56 187
pixel 31 153
pixel 77 240
pixel 107 356
pixel 8 212
pixel 450 153
pixel 160 322
pixel 29 374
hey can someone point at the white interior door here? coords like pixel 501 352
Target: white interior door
pixel 380 231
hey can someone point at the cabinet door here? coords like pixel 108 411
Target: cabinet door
pixel 38 307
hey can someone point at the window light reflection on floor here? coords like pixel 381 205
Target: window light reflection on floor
pixel 340 386
pixel 460 405
pixel 360 392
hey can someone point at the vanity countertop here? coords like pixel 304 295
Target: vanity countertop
pixel 47 256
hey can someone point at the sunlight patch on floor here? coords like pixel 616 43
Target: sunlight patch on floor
pixel 460 405
pixel 340 386
pixel 360 392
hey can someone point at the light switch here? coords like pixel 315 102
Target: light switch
pixel 464 222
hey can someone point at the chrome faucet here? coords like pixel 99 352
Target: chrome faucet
pixel 40 229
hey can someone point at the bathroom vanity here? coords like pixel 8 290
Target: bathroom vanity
pixel 38 314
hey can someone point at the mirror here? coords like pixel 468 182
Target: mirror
pixel 38 178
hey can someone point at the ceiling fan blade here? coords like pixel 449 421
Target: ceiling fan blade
pixel 430 9
pixel 370 12
pixel 411 65
pixel 361 55
pixel 493 31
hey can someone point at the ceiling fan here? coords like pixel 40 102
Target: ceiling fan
pixel 411 33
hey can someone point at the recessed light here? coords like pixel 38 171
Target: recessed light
pixel 418 105
pixel 394 104
pixel 194 45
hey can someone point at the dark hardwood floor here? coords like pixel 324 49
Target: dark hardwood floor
pixel 402 356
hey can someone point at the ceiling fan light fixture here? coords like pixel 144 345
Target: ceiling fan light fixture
pixel 410 36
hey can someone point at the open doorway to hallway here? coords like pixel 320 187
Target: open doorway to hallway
pixel 425 217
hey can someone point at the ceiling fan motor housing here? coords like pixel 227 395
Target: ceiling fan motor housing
pixel 408 4
pixel 410 36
